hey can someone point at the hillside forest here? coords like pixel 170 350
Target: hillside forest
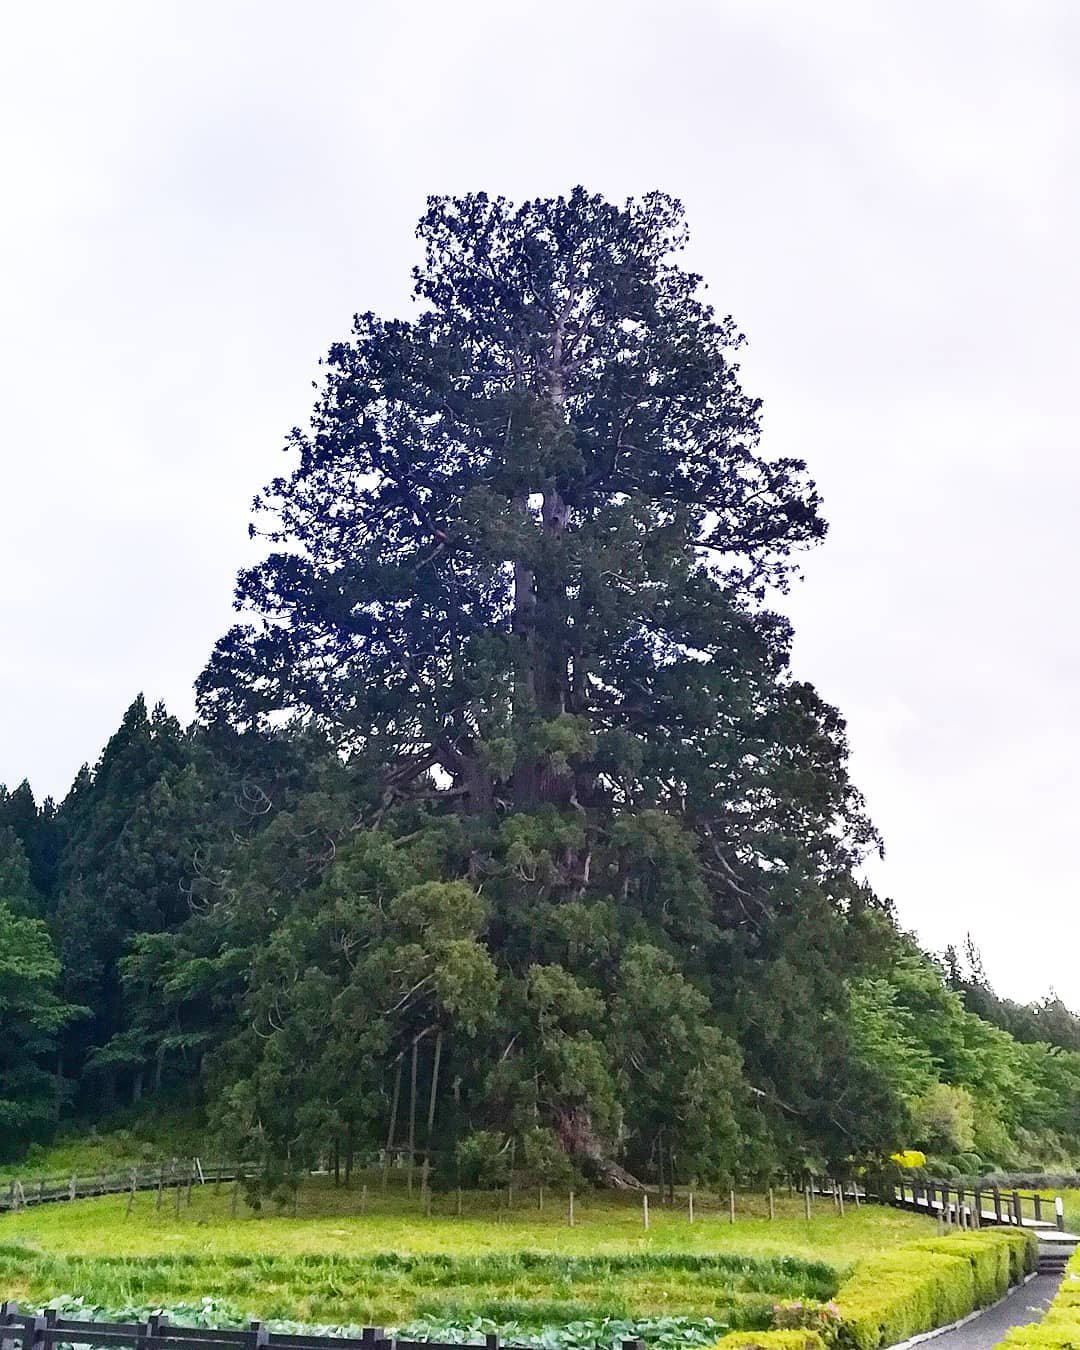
pixel 505 830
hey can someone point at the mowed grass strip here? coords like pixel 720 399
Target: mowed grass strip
pixel 392 1263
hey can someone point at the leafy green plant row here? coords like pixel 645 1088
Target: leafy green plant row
pixel 661 1333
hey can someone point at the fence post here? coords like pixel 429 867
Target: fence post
pixel 806 1198
pixel 1059 1213
pixel 571 1211
pixel 33 1327
pixel 997 1206
pixel 772 1206
pixel 1016 1209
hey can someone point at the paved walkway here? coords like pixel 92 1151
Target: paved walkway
pixel 1026 1304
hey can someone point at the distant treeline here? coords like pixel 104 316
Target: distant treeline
pixel 204 913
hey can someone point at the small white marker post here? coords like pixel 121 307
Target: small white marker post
pixel 645 1210
pixel 1059 1213
pixel 690 1200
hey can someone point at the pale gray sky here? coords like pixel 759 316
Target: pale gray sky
pixel 198 195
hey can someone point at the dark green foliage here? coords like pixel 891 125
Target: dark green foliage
pixel 507 832
pixel 525 549
pixel 36 830
pixel 32 1014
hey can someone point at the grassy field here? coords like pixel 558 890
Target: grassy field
pixel 128 1139
pixel 393 1265
pixel 1071 1201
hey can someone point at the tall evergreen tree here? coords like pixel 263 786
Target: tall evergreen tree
pixel 520 579
pixel 36 830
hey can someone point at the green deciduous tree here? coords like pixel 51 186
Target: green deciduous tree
pixel 32 1014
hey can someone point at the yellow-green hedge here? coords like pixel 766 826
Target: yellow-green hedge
pixel 904 1292
pixel 771 1340
pixel 998 1258
pixel 1023 1251
pixel 1060 1328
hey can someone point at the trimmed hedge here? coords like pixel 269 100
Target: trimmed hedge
pixel 924 1285
pixel 998 1258
pixel 788 1339
pixel 1060 1328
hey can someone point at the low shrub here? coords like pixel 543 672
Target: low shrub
pixel 791 1338
pixel 990 1258
pixel 807 1314
pixel 1023 1251
pixel 988 1178
pixel 902 1293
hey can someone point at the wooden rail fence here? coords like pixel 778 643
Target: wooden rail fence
pixel 160 1177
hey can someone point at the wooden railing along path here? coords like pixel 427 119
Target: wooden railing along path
pixel 973 1207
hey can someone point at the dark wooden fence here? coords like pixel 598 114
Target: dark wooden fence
pixel 48 1330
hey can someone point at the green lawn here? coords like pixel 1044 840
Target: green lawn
pixel 394 1264
pixel 1071 1201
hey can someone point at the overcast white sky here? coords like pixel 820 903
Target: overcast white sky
pixel 883 192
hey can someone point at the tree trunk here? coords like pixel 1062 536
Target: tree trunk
pixel 412 1113
pixel 579 1139
pixel 393 1120
pixel 431 1112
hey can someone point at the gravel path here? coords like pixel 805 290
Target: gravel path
pixel 1024 1305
